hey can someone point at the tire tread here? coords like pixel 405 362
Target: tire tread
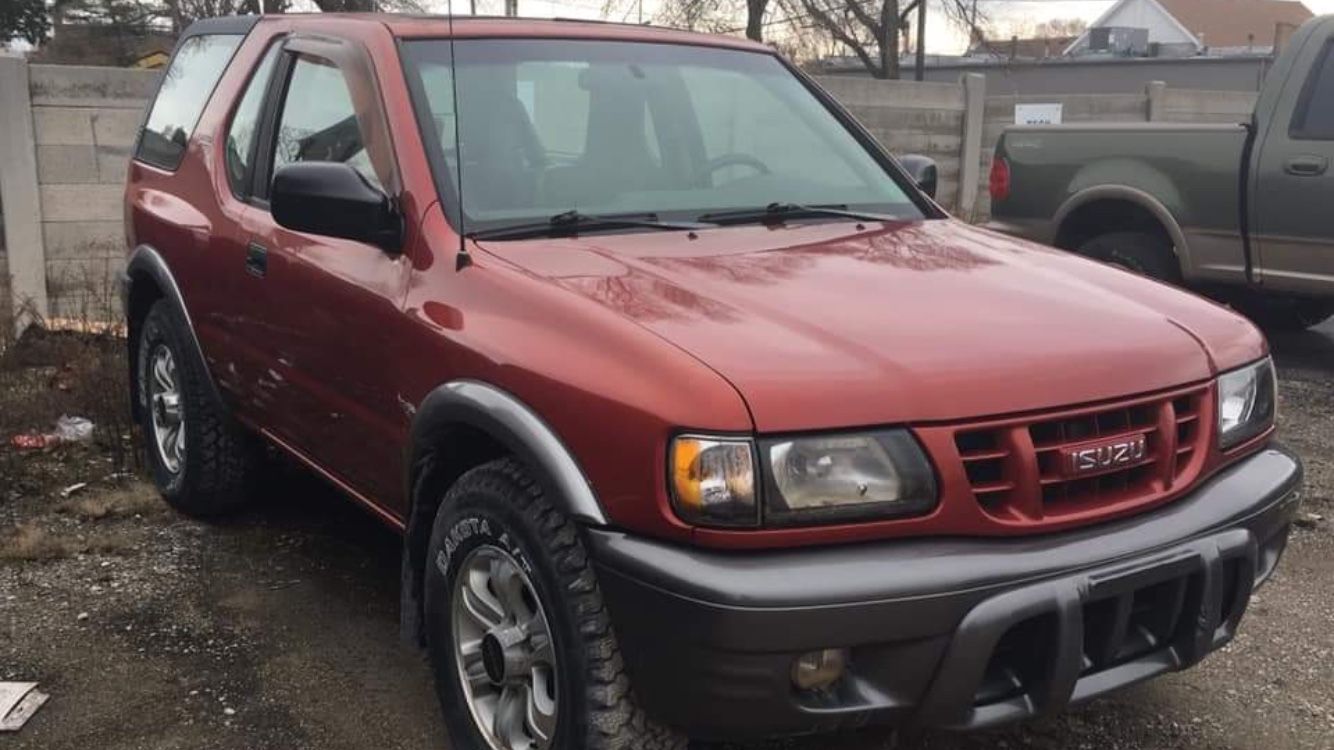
pixel 615 722
pixel 218 459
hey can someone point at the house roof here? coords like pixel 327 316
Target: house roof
pixel 1236 23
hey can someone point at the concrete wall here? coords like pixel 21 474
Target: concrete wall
pixel 1104 76
pixel 84 122
pixel 911 118
pixel 65 139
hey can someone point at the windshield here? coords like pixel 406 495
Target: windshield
pixel 605 128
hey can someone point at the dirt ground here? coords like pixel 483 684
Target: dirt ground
pixel 278 629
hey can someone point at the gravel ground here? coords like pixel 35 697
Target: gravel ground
pixel 279 629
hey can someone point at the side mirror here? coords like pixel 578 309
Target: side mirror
pixel 335 200
pixel 923 171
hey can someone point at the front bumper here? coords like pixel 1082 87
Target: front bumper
pixel 959 633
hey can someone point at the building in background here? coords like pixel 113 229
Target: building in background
pixel 1183 28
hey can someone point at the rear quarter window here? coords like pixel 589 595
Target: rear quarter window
pixel 186 88
pixel 1314 118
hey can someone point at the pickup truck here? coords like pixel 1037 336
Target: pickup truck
pixel 698 417
pixel 1241 212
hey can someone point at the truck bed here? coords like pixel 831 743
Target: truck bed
pixel 1193 169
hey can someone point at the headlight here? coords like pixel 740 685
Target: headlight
pixel 1247 399
pixel 832 478
pixel 713 481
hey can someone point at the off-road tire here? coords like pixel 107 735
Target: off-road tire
pixel 213 477
pixel 500 504
pixel 1144 253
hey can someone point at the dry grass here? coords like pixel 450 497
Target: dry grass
pixel 136 499
pixel 74 365
pixel 32 543
pixel 47 374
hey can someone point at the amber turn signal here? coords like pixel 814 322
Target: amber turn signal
pixel 713 480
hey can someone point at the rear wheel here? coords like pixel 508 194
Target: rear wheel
pixel 199 458
pixel 1144 253
pixel 519 639
pixel 1287 313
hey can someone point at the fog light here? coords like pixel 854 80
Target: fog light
pixel 817 670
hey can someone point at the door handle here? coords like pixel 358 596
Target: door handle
pixel 256 259
pixel 1306 166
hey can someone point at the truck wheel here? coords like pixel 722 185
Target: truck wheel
pixel 199 459
pixel 519 639
pixel 1287 313
pixel 1144 253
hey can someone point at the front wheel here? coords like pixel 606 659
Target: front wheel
pixel 519 639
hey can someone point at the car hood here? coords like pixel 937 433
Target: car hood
pixel 837 324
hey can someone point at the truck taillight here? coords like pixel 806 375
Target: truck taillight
pixel 1000 179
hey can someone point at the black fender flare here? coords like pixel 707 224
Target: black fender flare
pixel 511 423
pixel 146 265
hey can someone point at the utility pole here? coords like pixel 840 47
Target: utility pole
pixel 921 40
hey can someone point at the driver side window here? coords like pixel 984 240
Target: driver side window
pixel 318 121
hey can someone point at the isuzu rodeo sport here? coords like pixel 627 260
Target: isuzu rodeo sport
pixel 698 416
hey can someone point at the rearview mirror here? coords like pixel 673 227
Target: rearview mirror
pixel 923 171
pixel 335 200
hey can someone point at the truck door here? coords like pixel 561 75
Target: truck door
pixel 335 308
pixel 1291 224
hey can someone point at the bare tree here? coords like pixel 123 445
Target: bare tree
pixel 23 19
pixel 709 15
pixel 1060 27
pixel 874 30
pixel 755 18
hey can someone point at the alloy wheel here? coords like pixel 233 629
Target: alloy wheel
pixel 168 415
pixel 504 651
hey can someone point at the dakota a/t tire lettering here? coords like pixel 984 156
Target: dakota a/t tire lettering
pixel 501 506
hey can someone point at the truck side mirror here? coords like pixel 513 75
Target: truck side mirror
pixel 923 171
pixel 335 200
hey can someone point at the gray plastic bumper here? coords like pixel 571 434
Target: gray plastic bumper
pixel 960 633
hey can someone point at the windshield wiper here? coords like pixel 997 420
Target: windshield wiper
pixel 573 222
pixel 777 212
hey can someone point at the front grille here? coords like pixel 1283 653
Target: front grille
pixel 1018 469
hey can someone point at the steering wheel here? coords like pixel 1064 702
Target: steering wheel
pixel 732 160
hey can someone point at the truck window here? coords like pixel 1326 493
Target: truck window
pixel 318 121
pixel 186 88
pixel 245 125
pixel 1314 118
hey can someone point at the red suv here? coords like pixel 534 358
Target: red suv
pixel 698 415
